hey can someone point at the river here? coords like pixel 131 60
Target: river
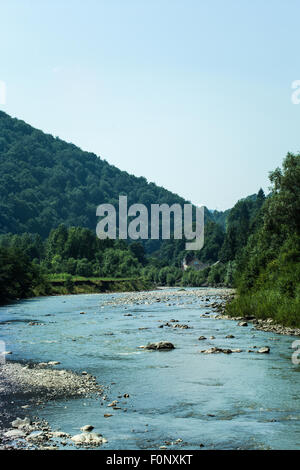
pixel 218 401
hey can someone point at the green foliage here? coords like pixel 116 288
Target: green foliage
pixel 241 223
pixel 194 278
pixel 138 252
pixel 268 270
pixel 45 182
pixel 216 274
pixel 69 283
pixel 19 277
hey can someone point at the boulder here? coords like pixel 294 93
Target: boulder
pixel 161 345
pixel 227 351
pixel 212 351
pixel 220 350
pixel 21 423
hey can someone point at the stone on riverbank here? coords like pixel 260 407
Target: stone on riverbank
pixel 15 434
pixel 21 423
pixel 88 439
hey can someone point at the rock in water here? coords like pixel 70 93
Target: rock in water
pixel 87 427
pixel 212 351
pixel 161 345
pixel 221 350
pixel 242 323
pixel 264 350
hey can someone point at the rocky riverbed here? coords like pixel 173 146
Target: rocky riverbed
pixel 214 299
pixel 210 296
pixel 171 363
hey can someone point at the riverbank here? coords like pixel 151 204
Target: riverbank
pixel 70 285
pixel 268 324
pixel 217 299
pixel 62 285
pixel 25 386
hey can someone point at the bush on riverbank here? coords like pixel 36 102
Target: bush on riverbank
pixel 20 277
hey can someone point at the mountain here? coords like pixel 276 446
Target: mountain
pixel 45 181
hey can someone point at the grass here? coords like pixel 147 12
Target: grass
pixel 265 304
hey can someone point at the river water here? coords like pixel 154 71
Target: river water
pixel 237 401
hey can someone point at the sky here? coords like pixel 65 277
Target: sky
pixel 195 95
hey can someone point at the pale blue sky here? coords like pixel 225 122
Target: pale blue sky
pixel 194 95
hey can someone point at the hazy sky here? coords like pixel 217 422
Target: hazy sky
pixel 194 95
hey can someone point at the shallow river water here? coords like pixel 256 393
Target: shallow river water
pixel 241 400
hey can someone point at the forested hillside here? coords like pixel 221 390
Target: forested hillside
pixel 49 191
pixel 268 268
pixel 45 181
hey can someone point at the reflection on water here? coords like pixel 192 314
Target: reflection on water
pixel 244 400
